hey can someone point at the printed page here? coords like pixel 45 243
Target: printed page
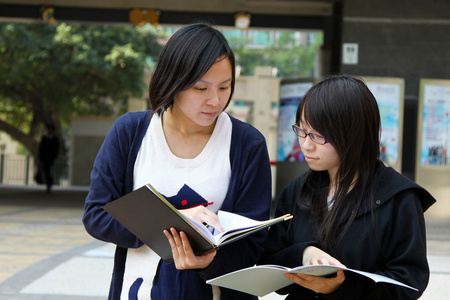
pixel 231 221
pixel 380 278
pixel 264 279
pixel 317 270
pixel 257 280
pixel 237 225
pixel 202 229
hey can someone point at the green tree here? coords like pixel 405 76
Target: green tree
pixel 49 73
pixel 293 59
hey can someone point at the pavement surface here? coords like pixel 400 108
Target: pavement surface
pixel 45 253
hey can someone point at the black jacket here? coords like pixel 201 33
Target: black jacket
pixel 393 246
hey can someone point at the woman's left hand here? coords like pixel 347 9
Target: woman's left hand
pixel 202 215
pixel 318 284
pixel 183 255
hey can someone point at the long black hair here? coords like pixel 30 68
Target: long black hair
pixel 342 109
pixel 188 55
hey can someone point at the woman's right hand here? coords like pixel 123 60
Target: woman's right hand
pixel 314 256
pixel 183 255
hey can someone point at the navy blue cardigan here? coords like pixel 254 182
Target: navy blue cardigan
pixel 249 194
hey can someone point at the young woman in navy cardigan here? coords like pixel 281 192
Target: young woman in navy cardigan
pixel 197 156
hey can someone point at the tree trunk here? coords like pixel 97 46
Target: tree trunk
pixel 27 141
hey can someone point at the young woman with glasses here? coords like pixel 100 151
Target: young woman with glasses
pixel 198 157
pixel 349 208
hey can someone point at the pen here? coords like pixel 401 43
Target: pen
pixel 206 225
pixel 203 204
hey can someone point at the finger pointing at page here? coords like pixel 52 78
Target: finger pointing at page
pixel 201 215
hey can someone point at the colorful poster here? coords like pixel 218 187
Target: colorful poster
pixel 389 95
pixel 435 128
pixel 290 96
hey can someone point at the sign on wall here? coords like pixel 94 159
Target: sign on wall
pixel 350 53
pixel 389 93
pixel 290 96
pixel 434 123
pixel 433 141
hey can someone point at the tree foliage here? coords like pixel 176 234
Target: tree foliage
pixel 52 72
pixel 292 58
pixel 49 73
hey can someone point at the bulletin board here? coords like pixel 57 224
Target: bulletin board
pixel 389 93
pixel 291 92
pixel 290 161
pixel 434 124
pixel 433 141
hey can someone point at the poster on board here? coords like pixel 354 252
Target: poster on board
pixel 389 93
pixel 434 122
pixel 290 95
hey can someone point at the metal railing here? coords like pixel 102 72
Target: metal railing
pixel 21 169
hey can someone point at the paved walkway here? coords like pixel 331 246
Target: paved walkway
pixel 45 252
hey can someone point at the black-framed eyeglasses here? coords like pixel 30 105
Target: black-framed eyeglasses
pixel 316 138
